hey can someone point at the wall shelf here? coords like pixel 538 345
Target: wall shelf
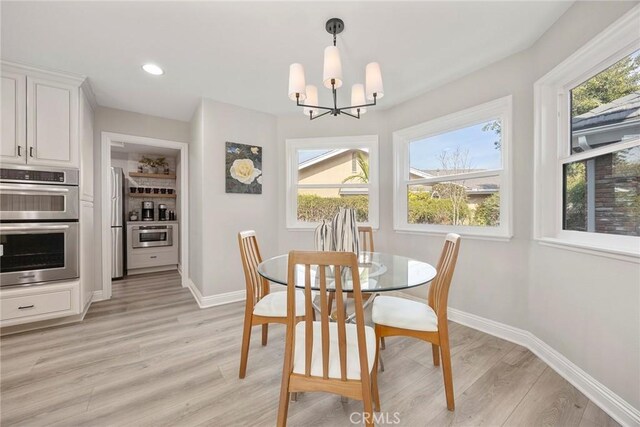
pixel 164 196
pixel 153 175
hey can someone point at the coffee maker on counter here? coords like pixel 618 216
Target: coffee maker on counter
pixel 147 211
pixel 162 212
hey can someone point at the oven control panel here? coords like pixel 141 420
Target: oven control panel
pixel 31 175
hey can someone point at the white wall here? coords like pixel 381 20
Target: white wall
pixel 584 306
pixel 128 123
pixel 216 217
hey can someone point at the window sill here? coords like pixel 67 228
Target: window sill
pixel 495 237
pixel 312 227
pixel 595 250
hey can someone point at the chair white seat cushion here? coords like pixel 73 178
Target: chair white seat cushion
pixel 275 305
pixel 353 360
pixel 403 313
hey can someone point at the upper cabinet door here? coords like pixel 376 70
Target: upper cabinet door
pixel 13 139
pixel 52 123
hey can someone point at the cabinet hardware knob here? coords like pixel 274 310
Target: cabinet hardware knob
pixel 22 307
pixel 154 256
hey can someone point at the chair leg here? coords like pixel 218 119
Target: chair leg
pixel 246 337
pixel 368 405
pixel 283 408
pixel 446 373
pixel 436 354
pixel 382 343
pixel 265 333
pixel 374 380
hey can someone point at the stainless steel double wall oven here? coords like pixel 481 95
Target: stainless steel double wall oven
pixel 39 233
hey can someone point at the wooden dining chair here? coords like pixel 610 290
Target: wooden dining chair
pixel 261 307
pixel 332 357
pixel 366 238
pixel 395 316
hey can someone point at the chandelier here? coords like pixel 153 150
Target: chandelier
pixel 306 96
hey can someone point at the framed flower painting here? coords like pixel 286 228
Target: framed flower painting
pixel 244 168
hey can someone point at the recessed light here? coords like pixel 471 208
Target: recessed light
pixel 153 69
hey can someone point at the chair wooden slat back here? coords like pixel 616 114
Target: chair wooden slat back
pixel 366 238
pixel 439 289
pixel 257 287
pixel 341 263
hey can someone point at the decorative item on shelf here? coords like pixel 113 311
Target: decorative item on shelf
pixel 140 190
pixel 243 168
pixel 306 96
pixel 132 189
pixel 163 191
pixel 147 190
pixel 133 215
pixel 153 166
pixel 170 190
pixel 156 190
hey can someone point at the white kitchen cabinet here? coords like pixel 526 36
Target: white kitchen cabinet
pixel 86 147
pixel 13 139
pixel 87 247
pixel 52 123
pixel 36 303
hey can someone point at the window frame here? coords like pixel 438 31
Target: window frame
pixel 501 109
pixel 552 141
pixel 292 146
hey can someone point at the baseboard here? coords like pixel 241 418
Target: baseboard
pixel 97 296
pixel 215 300
pixel 619 409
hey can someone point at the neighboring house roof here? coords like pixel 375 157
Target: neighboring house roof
pixel 620 110
pixel 322 157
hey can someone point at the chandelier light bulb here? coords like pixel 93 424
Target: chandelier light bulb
pixel 373 80
pixel 296 82
pixel 312 99
pixel 357 98
pixel 332 67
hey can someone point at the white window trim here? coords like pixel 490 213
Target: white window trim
pixel 496 109
pixel 552 147
pixel 348 142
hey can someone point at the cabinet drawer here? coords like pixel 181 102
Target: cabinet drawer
pixel 143 258
pixel 36 304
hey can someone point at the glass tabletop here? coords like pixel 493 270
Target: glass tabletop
pixel 379 272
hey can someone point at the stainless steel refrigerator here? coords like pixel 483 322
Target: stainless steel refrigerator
pixel 117 224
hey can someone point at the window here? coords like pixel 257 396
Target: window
pixel 326 174
pixel 452 173
pixel 587 137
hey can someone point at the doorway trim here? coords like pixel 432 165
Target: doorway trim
pixel 107 140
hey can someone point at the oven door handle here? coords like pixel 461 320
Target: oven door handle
pixel 32 189
pixel 32 228
pixel 157 230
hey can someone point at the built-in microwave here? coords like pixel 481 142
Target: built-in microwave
pixel 146 236
pixel 37 194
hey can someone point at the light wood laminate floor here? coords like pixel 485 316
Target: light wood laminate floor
pixel 150 356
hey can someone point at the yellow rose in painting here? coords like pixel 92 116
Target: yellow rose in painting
pixel 243 170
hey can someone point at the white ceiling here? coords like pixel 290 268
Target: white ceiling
pixel 239 52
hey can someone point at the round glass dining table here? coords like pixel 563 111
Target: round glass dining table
pixel 379 272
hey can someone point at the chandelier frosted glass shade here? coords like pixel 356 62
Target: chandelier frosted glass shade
pixel 373 80
pixel 362 96
pixel 296 82
pixel 332 74
pixel 357 98
pixel 312 99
